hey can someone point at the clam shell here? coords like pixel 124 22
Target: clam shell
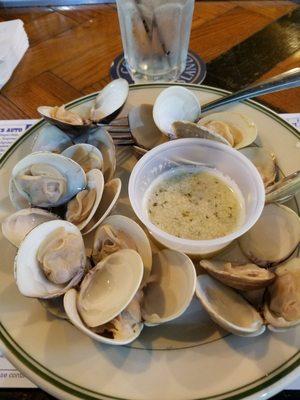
pixel 264 162
pixel 73 152
pixel 109 198
pixel 244 130
pixel 95 181
pixel 109 287
pixel 284 189
pixel 101 139
pixel 55 307
pixel 17 225
pixel 175 103
pixel 18 201
pixel 143 128
pixel 250 278
pixel 274 237
pixel 76 180
pixel 51 139
pixel 227 308
pixel 185 129
pixel 110 101
pixel 73 131
pixel 70 307
pixel 277 322
pixel 170 288
pixel 137 234
pixel 30 279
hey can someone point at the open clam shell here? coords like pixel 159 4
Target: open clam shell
pixel 51 139
pixel 109 198
pixel 101 139
pixel 76 207
pixel 17 225
pixel 110 101
pixel 66 179
pixel 170 287
pixel 242 129
pixel 282 305
pixel 70 300
pixel 175 103
pixel 33 280
pixel 18 200
pixel 86 155
pixel 186 129
pixel 125 233
pixel 273 238
pixel 107 293
pixel 284 189
pixel 264 162
pixel 227 308
pixel 78 127
pixel 242 277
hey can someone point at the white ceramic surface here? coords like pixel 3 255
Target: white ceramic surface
pixel 188 358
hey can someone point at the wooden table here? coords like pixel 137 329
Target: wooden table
pixel 71 49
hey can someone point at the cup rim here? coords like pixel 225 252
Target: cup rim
pixel 159 233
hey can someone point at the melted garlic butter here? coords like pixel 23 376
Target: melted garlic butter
pixel 192 203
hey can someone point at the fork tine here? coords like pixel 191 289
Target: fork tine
pixel 122 121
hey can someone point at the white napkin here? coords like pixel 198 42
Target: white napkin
pixel 13 45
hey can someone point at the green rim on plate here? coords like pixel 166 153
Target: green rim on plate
pixel 20 356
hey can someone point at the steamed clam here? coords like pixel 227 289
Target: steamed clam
pixel 106 106
pixel 50 260
pixel 86 155
pixel 118 232
pixel 264 162
pixel 82 208
pixel 228 308
pixel 103 307
pixel 175 103
pixel 16 226
pixel 282 306
pixel 237 129
pixel 51 139
pixel 47 180
pixel 273 238
pixel 238 276
pixel 186 129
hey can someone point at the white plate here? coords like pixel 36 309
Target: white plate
pixel 188 359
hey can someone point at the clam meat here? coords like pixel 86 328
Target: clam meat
pixel 50 260
pixel 86 155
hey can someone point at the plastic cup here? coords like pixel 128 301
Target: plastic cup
pixel 225 159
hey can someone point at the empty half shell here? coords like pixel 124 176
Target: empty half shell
pixel 264 162
pixel 111 193
pixel 82 208
pixel 46 179
pixel 86 155
pixel 227 308
pixel 170 287
pixel 282 306
pixel 274 237
pixel 242 130
pixel 50 260
pixel 119 232
pixel 238 276
pixel 16 226
pixel 175 103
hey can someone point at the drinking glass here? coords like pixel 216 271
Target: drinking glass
pixel 155 36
